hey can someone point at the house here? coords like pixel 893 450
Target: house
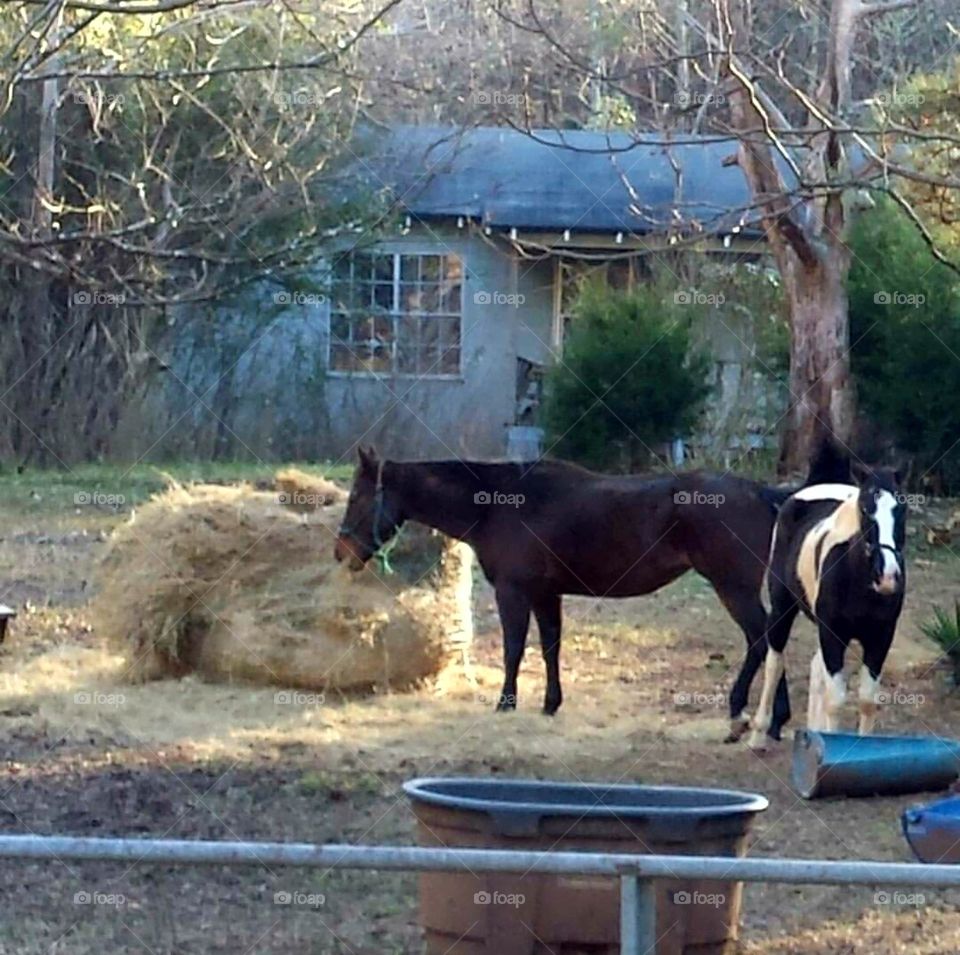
pixel 433 342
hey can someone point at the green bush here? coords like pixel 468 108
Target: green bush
pixel 629 379
pixel 944 630
pixel 905 341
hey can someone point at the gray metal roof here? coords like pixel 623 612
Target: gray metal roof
pixel 552 180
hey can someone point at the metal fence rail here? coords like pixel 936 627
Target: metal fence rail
pixel 636 872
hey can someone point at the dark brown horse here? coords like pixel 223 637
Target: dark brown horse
pixel 547 529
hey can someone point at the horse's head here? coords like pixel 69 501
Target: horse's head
pixel 373 513
pixel 883 516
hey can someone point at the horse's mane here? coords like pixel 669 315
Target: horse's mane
pixel 506 475
pixel 830 463
pixel 549 475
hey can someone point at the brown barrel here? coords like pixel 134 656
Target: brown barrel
pixel 505 914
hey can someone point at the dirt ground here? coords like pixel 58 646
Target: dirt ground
pixel 645 682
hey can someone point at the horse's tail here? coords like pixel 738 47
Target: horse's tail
pixel 830 463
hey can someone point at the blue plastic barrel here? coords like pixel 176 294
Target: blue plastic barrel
pixel 845 764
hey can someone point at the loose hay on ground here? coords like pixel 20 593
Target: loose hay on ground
pixel 227 583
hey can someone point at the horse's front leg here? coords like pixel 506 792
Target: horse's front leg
pixel 834 693
pixel 874 656
pixel 816 689
pixel 514 608
pixel 547 611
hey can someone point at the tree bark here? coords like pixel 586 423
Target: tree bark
pixel 806 235
pixel 821 395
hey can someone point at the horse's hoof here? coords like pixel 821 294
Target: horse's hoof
pixel 738 726
pixel 550 710
pixel 759 743
pixel 505 707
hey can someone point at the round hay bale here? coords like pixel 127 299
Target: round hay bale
pixel 228 583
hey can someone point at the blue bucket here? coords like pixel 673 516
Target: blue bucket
pixel 933 831
pixel 845 764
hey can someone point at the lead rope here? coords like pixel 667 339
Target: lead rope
pixel 382 553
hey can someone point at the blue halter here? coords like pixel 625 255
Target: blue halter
pixel 383 548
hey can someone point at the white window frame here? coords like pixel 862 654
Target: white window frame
pixel 396 314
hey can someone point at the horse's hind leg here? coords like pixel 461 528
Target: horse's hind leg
pixel 782 614
pixel 547 611
pixel 740 692
pixel 745 608
pixel 514 608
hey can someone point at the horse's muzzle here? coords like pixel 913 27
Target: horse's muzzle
pixel 889 578
pixel 888 584
pixel 343 550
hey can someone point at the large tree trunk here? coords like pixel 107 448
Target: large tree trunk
pixel 806 231
pixel 821 392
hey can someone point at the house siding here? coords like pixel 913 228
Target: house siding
pixel 250 378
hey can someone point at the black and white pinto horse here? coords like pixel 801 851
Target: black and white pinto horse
pixel 837 555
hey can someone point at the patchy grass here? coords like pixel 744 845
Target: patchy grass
pixel 90 492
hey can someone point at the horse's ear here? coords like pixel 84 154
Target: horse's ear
pixel 903 472
pixel 368 459
pixel 860 472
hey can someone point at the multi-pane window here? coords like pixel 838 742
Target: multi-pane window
pixel 396 314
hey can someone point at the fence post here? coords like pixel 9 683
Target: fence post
pixel 638 916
